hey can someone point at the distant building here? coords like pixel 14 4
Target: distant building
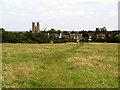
pixel 66 36
pixel 35 29
pixel 90 34
pixel 57 35
pixel 76 36
pixel 60 35
pixel 118 35
pixel 101 36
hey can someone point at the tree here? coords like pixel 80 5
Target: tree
pixel 51 31
pixel 97 30
pixel 85 35
pixel 66 33
pixel 107 35
pixel 103 30
pixel 58 31
pixel 73 32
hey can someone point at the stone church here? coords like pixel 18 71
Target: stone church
pixel 35 27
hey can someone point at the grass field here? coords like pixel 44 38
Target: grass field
pixel 93 65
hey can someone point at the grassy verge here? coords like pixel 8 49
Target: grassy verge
pixel 60 65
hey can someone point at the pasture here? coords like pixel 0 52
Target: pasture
pixel 72 65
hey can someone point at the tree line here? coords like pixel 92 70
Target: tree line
pixel 44 37
pixel 29 37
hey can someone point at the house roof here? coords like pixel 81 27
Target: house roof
pixel 101 35
pixel 76 36
pixel 90 34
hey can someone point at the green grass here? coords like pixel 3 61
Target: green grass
pixel 60 65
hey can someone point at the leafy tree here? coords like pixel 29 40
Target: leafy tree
pixel 97 30
pixel 73 32
pixel 43 37
pixel 54 31
pixel 103 30
pixel 66 33
pixel 58 32
pixel 51 31
pixel 85 39
pixel 85 35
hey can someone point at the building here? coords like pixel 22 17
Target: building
pixel 66 36
pixel 76 36
pixel 57 35
pixel 118 35
pixel 35 28
pixel 101 36
pixel 90 34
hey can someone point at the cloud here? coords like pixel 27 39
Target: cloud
pixel 92 1
pixel 52 3
pixel 113 13
pixel 40 9
pixel 15 1
pixel 61 13
pixel 61 10
pixel 16 13
pixel 28 1
pixel 66 7
pixel 17 4
pixel 69 13
pixel 50 14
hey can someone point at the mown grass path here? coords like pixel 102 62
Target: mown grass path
pixel 60 65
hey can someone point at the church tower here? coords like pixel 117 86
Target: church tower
pixel 35 29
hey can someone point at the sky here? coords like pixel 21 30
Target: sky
pixel 66 15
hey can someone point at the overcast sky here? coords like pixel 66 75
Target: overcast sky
pixel 59 14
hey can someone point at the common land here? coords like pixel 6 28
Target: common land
pixel 71 65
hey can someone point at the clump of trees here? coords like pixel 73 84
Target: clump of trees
pixel 29 37
pixel 50 35
pixel 110 36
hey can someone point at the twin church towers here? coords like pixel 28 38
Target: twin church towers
pixel 35 27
